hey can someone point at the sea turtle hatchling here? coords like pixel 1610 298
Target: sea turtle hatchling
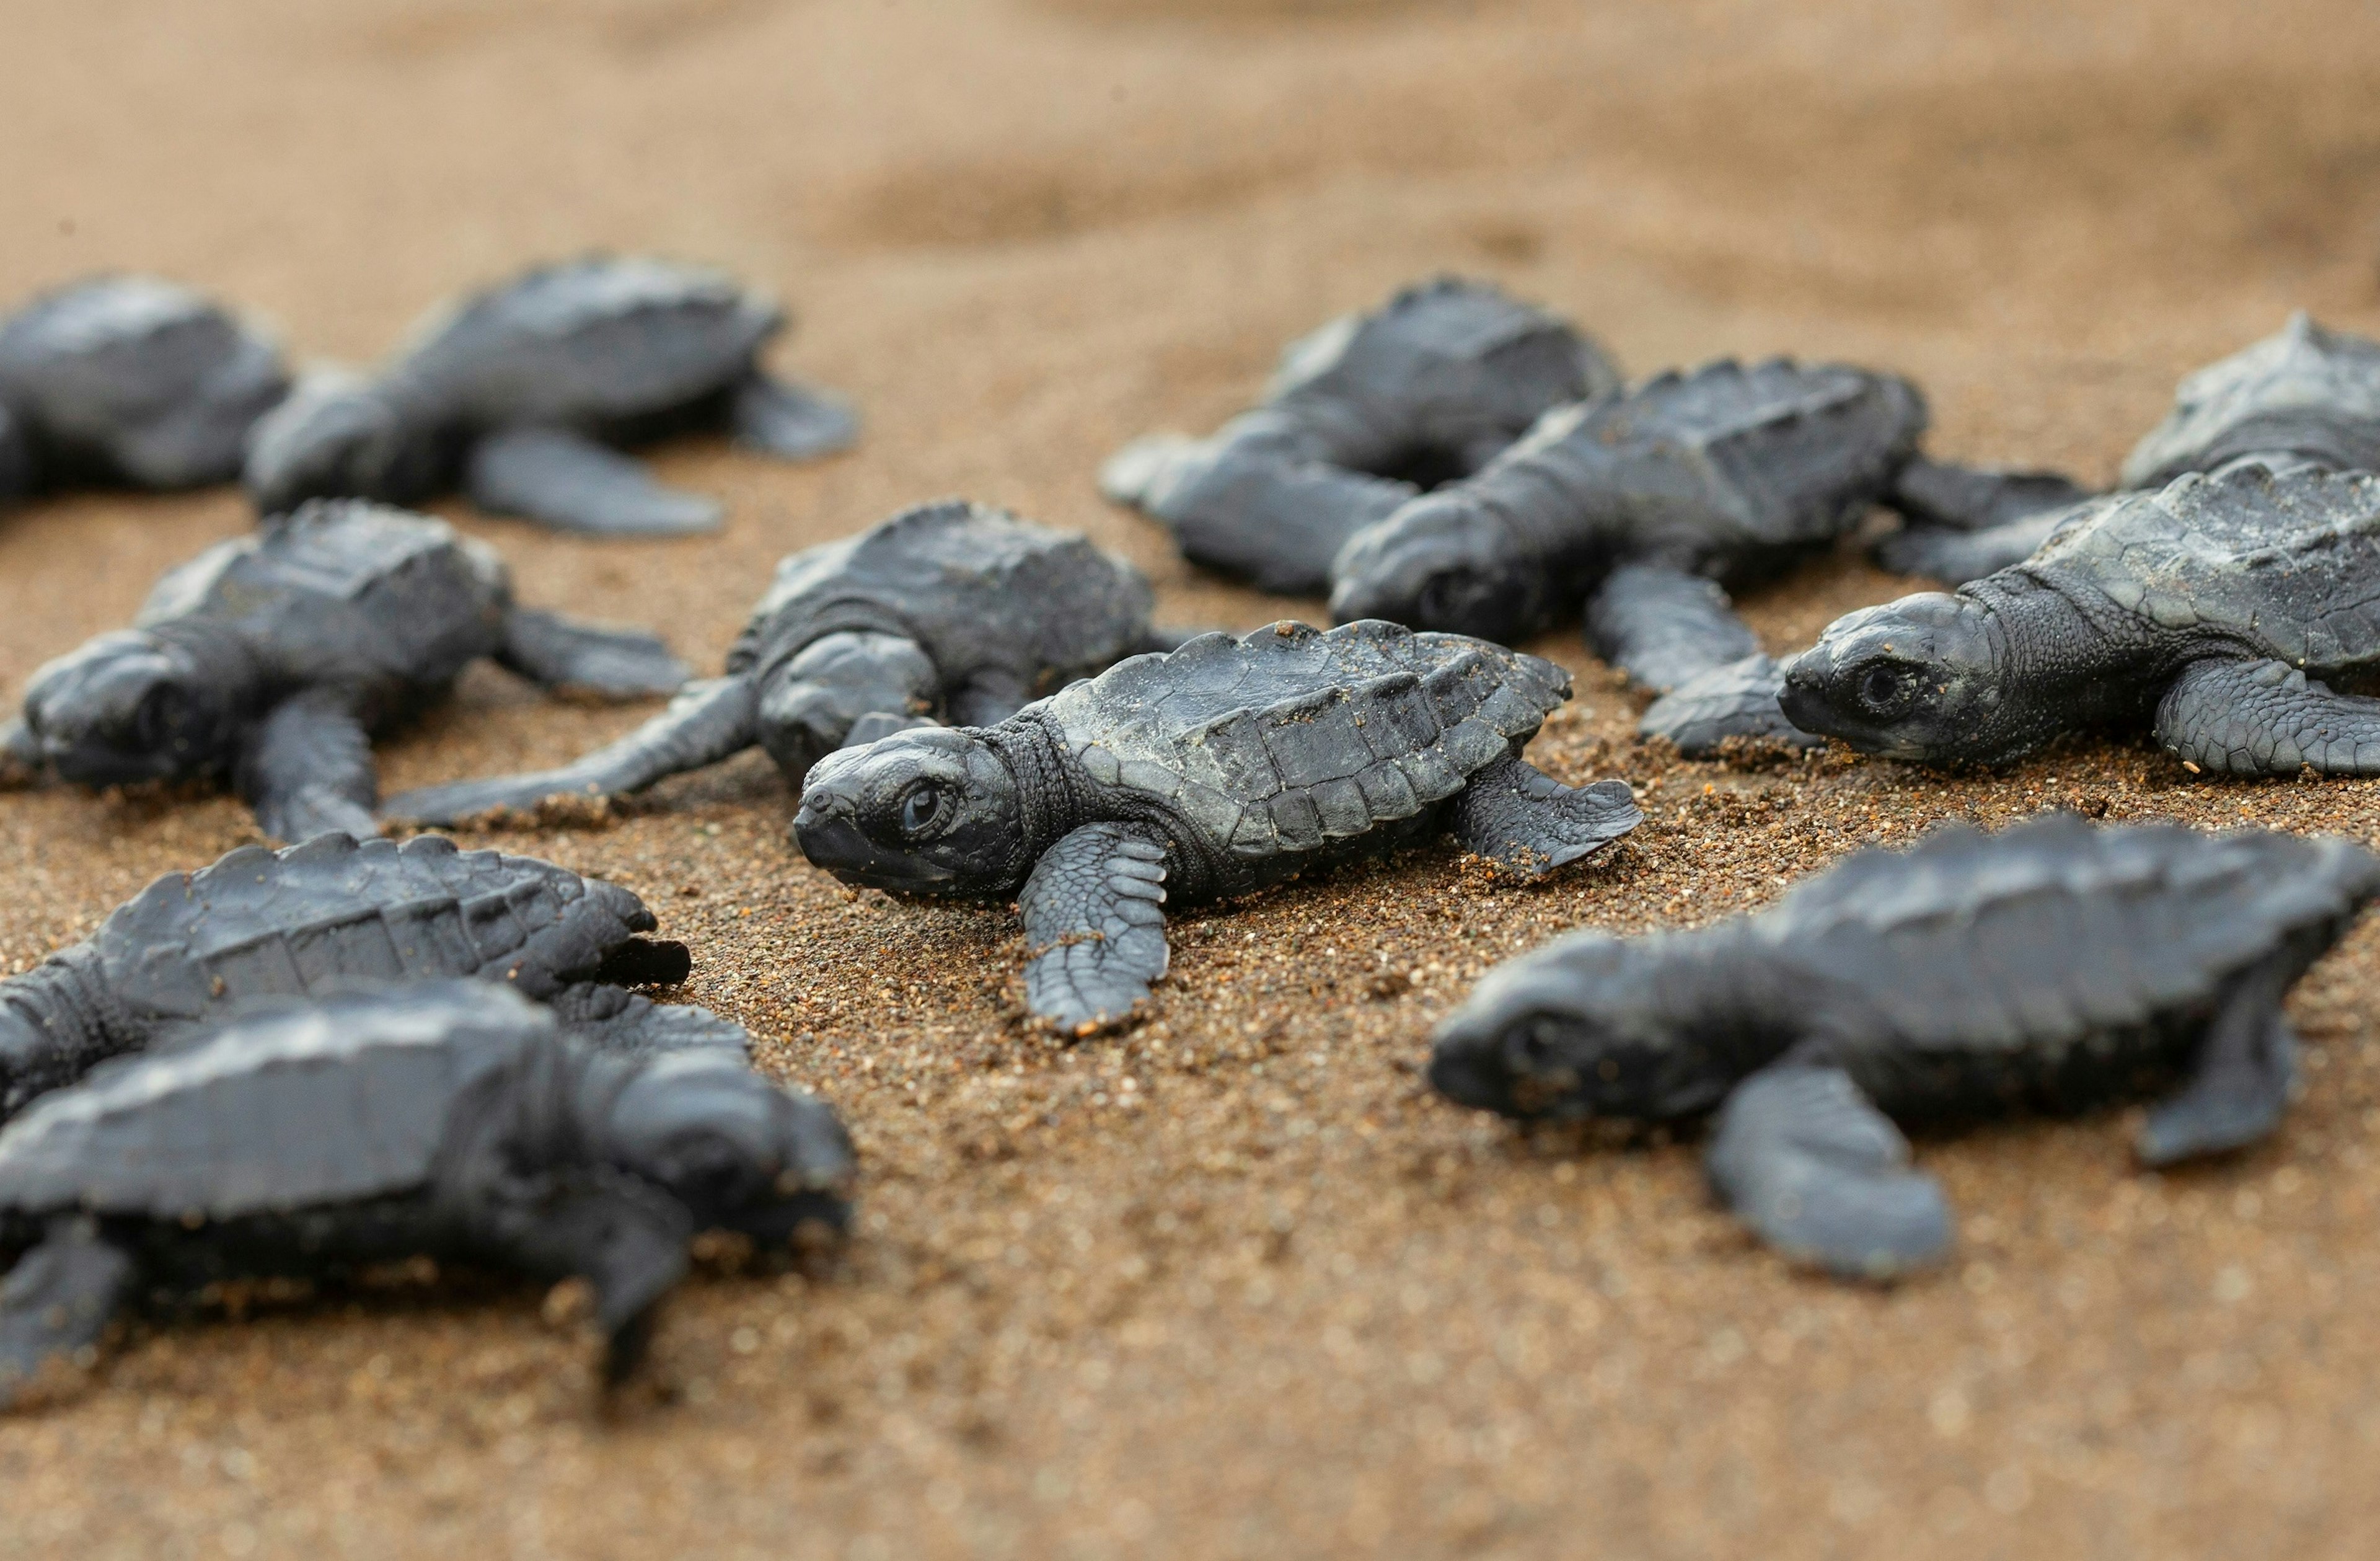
pixel 2225 611
pixel 268 661
pixel 1360 417
pixel 450 1119
pixel 520 392
pixel 950 611
pixel 130 381
pixel 2053 965
pixel 1630 509
pixel 1209 772
pixel 260 923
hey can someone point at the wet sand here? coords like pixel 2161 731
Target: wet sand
pixel 1234 1284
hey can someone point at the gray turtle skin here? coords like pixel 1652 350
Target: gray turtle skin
pixel 2307 393
pixel 260 923
pixel 952 611
pixel 519 394
pixel 130 381
pixel 1633 510
pixel 1361 416
pixel 1206 773
pixel 2055 966
pixel 451 1119
pixel 269 661
pixel 2225 611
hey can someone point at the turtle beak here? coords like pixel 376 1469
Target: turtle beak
pixel 830 839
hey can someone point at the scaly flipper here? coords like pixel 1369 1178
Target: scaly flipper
pixel 307 769
pixel 1955 557
pixel 1662 626
pixel 625 1238
pixel 1808 1161
pixel 20 754
pixel 557 653
pixel 634 1025
pixel 57 1300
pixel 1967 498
pixel 2266 718
pixel 1528 823
pixel 812 704
pixel 708 722
pixel 1095 920
pixel 571 482
pixel 1735 700
pixel 1249 511
pixel 2241 1085
pixel 790 421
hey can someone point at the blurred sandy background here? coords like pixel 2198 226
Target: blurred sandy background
pixel 1235 1285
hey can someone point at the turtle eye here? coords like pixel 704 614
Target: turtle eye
pixel 1885 687
pixel 922 807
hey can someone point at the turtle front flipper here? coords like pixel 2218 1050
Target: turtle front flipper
pixel 571 483
pixel 1735 700
pixel 1940 496
pixel 788 421
pixel 307 769
pixel 709 722
pixel 56 1301
pixel 20 754
pixel 2266 718
pixel 1662 626
pixel 554 652
pixel 1095 920
pixel 1820 1174
pixel 1528 823
pixel 2240 1086
pixel 1251 509
pixel 1955 557
pixel 625 1238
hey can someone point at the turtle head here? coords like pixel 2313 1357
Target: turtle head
pixel 126 707
pixel 931 810
pixel 338 435
pixel 1442 562
pixel 738 1152
pixel 1576 1030
pixel 1920 678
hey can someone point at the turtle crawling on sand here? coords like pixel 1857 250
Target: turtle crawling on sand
pixel 1361 416
pixel 952 610
pixel 130 381
pixel 1206 773
pixel 268 662
pixel 2226 611
pixel 2053 965
pixel 1630 509
pixel 520 392
pixel 258 923
pixel 451 1119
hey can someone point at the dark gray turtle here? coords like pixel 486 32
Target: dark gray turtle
pixel 268 661
pixel 2307 395
pixel 2053 966
pixel 129 380
pixel 1630 509
pixel 518 393
pixel 951 611
pixel 1209 772
pixel 2224 610
pixel 259 923
pixel 451 1119
pixel 1360 417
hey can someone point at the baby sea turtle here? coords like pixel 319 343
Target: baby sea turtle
pixel 450 1119
pixel 519 392
pixel 1209 772
pixel 1630 509
pixel 951 611
pixel 1360 417
pixel 2224 610
pixel 268 660
pixel 2307 393
pixel 2053 966
pixel 260 923
pixel 130 381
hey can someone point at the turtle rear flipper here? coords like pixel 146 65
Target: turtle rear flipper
pixel 788 421
pixel 2266 718
pixel 571 482
pixel 1094 912
pixel 2241 1085
pixel 309 770
pixel 1528 823
pixel 558 653
pixel 57 1300
pixel 1808 1161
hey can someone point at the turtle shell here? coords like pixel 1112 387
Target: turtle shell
pixel 2306 391
pixel 595 340
pixel 2262 561
pixel 978 589
pixel 1288 739
pixel 345 592
pixel 287 1106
